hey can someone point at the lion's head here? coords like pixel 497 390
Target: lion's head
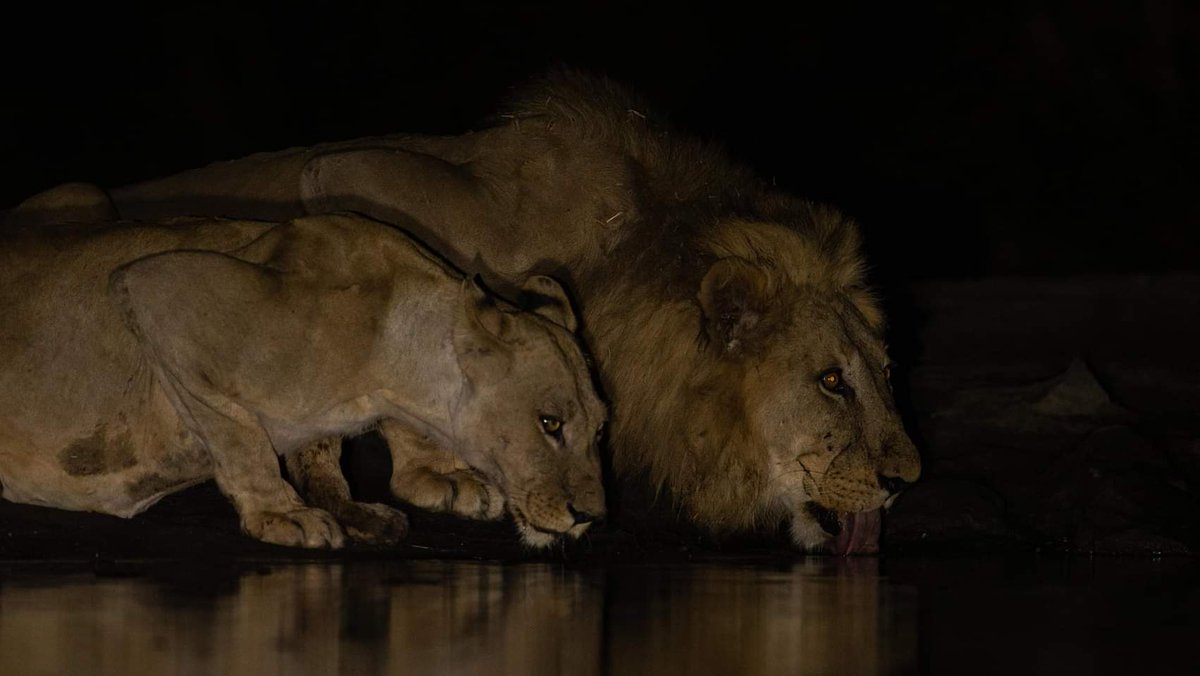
pixel 530 418
pixel 767 364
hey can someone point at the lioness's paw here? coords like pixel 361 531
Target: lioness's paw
pixel 303 527
pixel 373 523
pixel 461 492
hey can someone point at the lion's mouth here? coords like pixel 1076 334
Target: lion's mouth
pixel 850 532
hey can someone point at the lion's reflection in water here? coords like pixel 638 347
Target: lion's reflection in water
pixel 462 618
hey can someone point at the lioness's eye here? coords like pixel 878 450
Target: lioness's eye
pixel 832 381
pixel 551 425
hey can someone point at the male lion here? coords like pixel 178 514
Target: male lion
pixel 731 325
pixel 137 359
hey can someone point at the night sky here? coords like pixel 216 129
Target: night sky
pixel 1034 138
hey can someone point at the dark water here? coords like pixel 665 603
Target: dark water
pixel 813 617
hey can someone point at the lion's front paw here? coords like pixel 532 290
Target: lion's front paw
pixel 303 527
pixel 373 523
pixel 461 492
pixel 808 535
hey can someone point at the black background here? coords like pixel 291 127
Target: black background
pixel 1041 138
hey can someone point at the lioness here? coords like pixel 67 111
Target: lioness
pixel 138 359
pixel 733 330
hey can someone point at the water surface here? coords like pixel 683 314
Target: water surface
pixel 816 616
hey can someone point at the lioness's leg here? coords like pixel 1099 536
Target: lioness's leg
pixel 247 472
pixel 316 472
pixel 431 478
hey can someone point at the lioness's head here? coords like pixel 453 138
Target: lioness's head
pixel 530 419
pixel 774 379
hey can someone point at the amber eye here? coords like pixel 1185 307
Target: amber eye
pixel 832 381
pixel 551 425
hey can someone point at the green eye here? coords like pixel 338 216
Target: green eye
pixel 551 425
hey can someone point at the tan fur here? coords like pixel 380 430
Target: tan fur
pixel 67 203
pixel 581 180
pixel 138 359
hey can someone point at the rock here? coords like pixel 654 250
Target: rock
pixel 1138 542
pixel 1116 493
pixel 949 513
pixel 1076 393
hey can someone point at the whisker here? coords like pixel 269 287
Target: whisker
pixel 798 471
pixel 805 468
pixel 516 493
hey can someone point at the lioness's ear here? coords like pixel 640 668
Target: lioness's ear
pixel 735 297
pixel 482 309
pixel 545 296
pixel 480 336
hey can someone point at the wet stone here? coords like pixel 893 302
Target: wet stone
pixel 949 512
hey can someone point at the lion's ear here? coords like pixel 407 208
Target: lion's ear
pixel 545 296
pixel 735 298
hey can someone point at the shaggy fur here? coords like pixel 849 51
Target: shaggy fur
pixel 714 305
pixel 706 209
pixel 720 473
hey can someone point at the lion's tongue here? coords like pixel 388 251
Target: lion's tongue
pixel 860 533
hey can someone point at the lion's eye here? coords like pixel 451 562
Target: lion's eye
pixel 551 425
pixel 832 381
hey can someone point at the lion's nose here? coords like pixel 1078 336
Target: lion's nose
pixel 891 484
pixel 581 517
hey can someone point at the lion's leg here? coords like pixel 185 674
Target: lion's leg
pixel 316 472
pixel 431 478
pixel 808 535
pixel 74 202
